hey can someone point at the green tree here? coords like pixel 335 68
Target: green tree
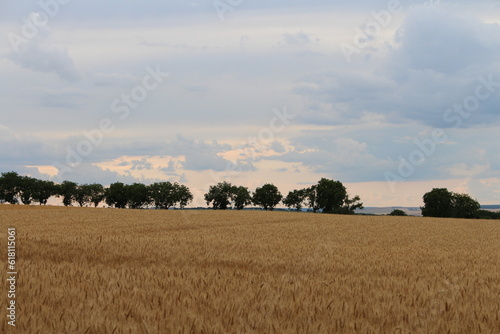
pixel 96 193
pixel 350 205
pixel 465 207
pixel 486 214
pixel 67 190
pixel 241 197
pixel 163 194
pixel 137 196
pixel 438 203
pixel 295 198
pixel 311 197
pixel 27 189
pixel 82 194
pixel 9 187
pixel 220 195
pixel 331 195
pixel 267 196
pixel 116 195
pixel 44 190
pixel 397 212
pixel 183 195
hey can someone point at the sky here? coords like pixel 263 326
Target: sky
pixel 392 98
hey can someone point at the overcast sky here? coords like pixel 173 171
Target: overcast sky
pixel 393 98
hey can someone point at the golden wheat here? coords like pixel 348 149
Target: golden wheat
pixel 85 270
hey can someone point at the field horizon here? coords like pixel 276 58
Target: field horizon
pixel 96 270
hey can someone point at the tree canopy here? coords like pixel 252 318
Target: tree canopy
pixel 295 199
pixel 220 195
pixel 442 203
pixel 327 195
pixel 397 212
pixel 10 183
pixel 267 196
pixel 241 197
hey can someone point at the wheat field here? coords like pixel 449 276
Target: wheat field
pixel 84 270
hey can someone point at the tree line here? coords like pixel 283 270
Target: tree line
pixel 327 196
pixel 17 189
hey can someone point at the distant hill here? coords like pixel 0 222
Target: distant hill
pixel 494 208
pixel 410 211
pixel 490 207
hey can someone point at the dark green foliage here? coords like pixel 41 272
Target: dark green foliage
pixel 15 188
pixel 486 214
pixel 350 205
pixel 220 195
pixel 331 195
pixel 163 194
pixel 183 195
pixel 464 206
pixel 267 196
pixel 328 195
pixel 27 189
pixel 166 194
pixel 95 193
pixel 397 212
pixel 295 198
pixel 86 194
pixel 137 195
pixel 67 190
pixel 9 187
pixel 223 193
pixel 44 190
pixel 311 197
pixel 82 194
pixel 440 202
pixel 116 195
pixel 241 197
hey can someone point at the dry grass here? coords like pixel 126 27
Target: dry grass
pixel 132 271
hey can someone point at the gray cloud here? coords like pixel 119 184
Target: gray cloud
pixel 226 78
pixel 206 161
pixel 169 168
pixel 141 165
pixel 38 54
pixel 17 150
pixel 278 147
pixel 437 64
pixel 114 79
pixel 200 156
pixel 89 173
pixel 109 12
pixel 297 39
pixel 66 98
pixel 437 40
